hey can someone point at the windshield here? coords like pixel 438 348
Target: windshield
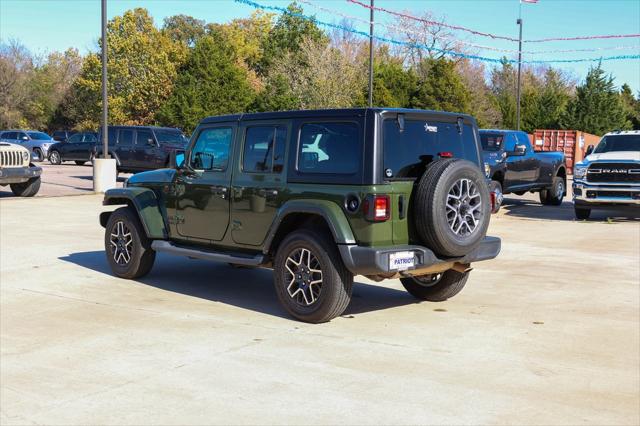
pixel 618 143
pixel 170 136
pixel 491 141
pixel 39 136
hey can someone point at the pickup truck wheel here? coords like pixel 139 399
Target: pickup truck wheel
pixel 54 157
pixel 310 279
pixel 553 196
pixel 127 247
pixel 582 214
pixel 496 188
pixel 26 189
pixel 452 207
pixel 435 287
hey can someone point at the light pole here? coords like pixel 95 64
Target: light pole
pixel 105 101
pixel 519 22
pixel 105 168
pixel 371 56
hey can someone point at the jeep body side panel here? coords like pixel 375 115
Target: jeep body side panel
pixel 146 203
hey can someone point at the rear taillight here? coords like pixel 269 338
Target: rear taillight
pixel 377 208
pixel 445 154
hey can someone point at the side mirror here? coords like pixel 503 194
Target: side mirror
pixel 151 142
pixel 176 159
pixel 589 150
pixel 24 138
pixel 519 151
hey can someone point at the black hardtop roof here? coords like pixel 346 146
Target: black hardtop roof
pixel 142 127
pixel 310 113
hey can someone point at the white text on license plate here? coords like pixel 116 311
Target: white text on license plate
pixel 401 260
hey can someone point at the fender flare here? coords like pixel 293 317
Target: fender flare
pixel 331 212
pixel 145 202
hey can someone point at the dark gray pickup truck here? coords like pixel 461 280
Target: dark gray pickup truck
pixel 516 168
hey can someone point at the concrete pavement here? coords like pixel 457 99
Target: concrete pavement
pixel 548 333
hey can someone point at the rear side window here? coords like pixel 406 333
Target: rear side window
pixel 125 137
pixel 330 148
pixel 75 138
pixel 407 153
pixel 9 135
pixel 90 137
pixel 264 149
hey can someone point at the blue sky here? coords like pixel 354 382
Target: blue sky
pixel 48 25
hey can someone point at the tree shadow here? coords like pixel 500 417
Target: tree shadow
pixel 526 208
pixel 246 288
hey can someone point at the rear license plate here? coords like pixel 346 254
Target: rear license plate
pixel 401 260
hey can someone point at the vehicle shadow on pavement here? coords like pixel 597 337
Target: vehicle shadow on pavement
pixel 247 288
pixel 533 210
pixel 90 177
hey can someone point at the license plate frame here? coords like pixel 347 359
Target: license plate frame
pixel 402 260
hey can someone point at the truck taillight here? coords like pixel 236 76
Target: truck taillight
pixel 377 208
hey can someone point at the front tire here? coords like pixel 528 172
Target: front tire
pixel 582 214
pixel 311 281
pixel 554 195
pixel 26 189
pixel 436 287
pixel 55 158
pixel 38 153
pixel 127 247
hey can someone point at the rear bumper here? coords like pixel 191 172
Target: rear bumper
pixel 18 174
pixel 375 260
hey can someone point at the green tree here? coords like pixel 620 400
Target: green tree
pixel 142 67
pixel 393 86
pixel 597 107
pixel 631 107
pixel 184 29
pixel 442 87
pixel 503 86
pixel 210 83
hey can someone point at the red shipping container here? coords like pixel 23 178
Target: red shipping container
pixel 573 143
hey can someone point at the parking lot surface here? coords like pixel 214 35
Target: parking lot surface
pixel 547 333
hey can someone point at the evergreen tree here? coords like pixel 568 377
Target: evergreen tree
pixel 442 87
pixel 393 86
pixel 210 83
pixel 503 86
pixel 631 107
pixel 597 107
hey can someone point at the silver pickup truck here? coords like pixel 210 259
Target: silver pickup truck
pixel 609 177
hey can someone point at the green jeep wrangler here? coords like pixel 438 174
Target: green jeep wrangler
pixel 319 196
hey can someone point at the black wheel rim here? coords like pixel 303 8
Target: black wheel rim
pixel 303 277
pixel 121 243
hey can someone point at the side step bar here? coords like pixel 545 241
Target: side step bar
pixel 167 247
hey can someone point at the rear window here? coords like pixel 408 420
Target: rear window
pixel 491 141
pixel 329 148
pixel 407 153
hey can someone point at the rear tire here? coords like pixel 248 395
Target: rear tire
pixel 55 157
pixel 553 196
pixel 452 207
pixel 127 247
pixel 26 189
pixel 436 287
pixel 582 214
pixel 311 281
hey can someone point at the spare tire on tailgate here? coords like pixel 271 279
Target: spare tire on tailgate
pixel 451 207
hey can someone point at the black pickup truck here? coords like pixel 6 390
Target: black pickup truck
pixel 516 168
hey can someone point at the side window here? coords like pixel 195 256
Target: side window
pixel 125 137
pixel 212 148
pixel 112 136
pixel 523 139
pixel 75 138
pixel 329 148
pixel 90 137
pixel 9 135
pixel 144 138
pixel 510 142
pixel 264 149
pixel 22 136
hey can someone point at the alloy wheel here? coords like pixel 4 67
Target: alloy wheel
pixel 304 277
pixel 122 243
pixel 463 207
